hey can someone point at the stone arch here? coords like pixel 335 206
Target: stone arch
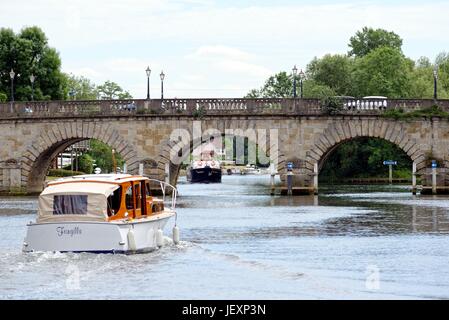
pixel 167 145
pixel 340 131
pixel 56 137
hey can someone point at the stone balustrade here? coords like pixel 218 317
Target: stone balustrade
pixel 201 107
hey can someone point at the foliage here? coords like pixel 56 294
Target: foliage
pixel 364 158
pixel 3 97
pixel 101 153
pixel 383 72
pixel 199 113
pixel 28 53
pixel 86 163
pixel 400 114
pixel 63 173
pixel 331 105
pixel 369 39
pixel 333 71
pixel 111 90
pixel 80 88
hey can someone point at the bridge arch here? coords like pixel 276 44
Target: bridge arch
pixel 339 132
pixel 187 148
pixel 54 139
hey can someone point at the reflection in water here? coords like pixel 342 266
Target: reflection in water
pixel 238 242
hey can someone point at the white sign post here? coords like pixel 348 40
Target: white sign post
pixel 390 164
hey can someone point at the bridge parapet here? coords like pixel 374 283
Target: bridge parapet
pixel 205 106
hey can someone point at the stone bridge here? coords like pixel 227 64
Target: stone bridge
pixel 32 134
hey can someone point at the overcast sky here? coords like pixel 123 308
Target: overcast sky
pixel 215 48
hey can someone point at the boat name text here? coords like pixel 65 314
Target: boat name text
pixel 62 231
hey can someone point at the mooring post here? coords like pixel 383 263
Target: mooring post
pixel 315 178
pixel 414 178
pixel 272 176
pixel 167 172
pixel 289 183
pixel 140 169
pixel 390 173
pixel 434 180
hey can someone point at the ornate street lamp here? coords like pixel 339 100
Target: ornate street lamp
pixel 301 77
pixel 32 78
pixel 162 75
pixel 295 71
pixel 435 79
pixel 148 71
pixel 12 74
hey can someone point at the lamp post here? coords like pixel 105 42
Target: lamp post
pixel 301 76
pixel 32 78
pixel 435 79
pixel 12 74
pixel 162 75
pixel 148 71
pixel 295 71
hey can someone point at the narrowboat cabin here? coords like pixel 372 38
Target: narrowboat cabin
pixel 113 213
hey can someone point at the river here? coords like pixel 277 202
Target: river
pixel 238 242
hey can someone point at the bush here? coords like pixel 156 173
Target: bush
pixel 63 173
pixel 331 105
pixel 3 97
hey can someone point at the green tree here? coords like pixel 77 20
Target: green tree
pixel 369 39
pixel 280 85
pixel 86 163
pixel 333 71
pixel 442 65
pixel 28 53
pixel 111 90
pixel 102 154
pixel 384 71
pixel 82 87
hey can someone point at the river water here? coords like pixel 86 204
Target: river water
pixel 350 242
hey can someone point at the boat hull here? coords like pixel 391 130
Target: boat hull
pixel 96 237
pixel 204 175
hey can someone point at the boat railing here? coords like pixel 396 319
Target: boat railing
pixel 164 185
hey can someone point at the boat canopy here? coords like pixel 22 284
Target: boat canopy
pixel 75 201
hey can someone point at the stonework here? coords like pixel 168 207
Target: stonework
pixel 29 145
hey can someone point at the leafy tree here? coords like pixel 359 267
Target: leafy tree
pixel 442 63
pixel 369 39
pixel 82 88
pixel 111 90
pixel 102 154
pixel 86 163
pixel 333 71
pixel 363 158
pixel 280 85
pixel 384 71
pixel 28 53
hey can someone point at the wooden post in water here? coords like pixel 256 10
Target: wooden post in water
pixel 434 180
pixel 167 172
pixel 390 174
pixel 140 169
pixel 289 183
pixel 272 176
pixel 315 178
pixel 414 178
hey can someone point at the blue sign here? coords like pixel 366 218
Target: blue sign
pixel 289 165
pixel 390 163
pixel 434 164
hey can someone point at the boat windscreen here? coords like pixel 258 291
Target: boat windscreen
pixel 114 202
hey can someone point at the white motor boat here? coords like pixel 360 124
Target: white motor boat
pixel 109 213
